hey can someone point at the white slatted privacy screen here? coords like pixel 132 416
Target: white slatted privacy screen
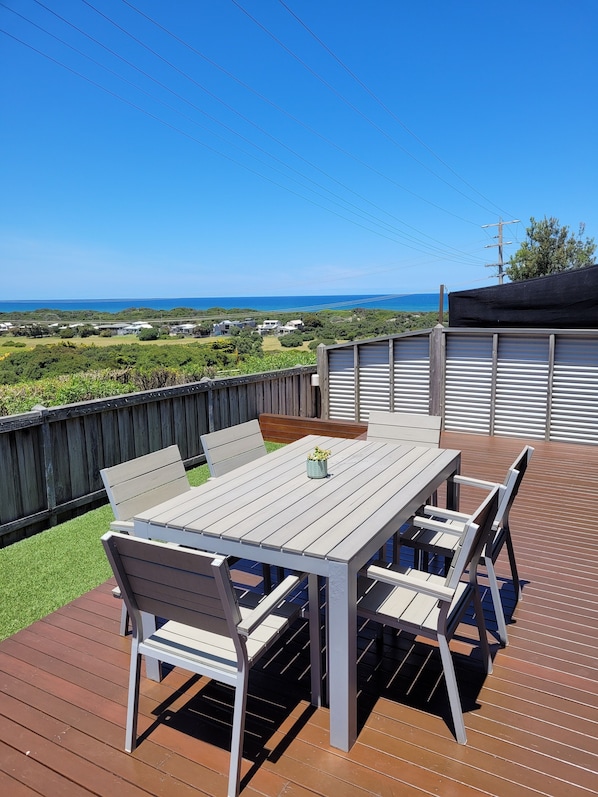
pixel 538 384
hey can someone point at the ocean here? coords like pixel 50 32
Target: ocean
pixel 415 302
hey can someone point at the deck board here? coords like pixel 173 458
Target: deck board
pixel 532 724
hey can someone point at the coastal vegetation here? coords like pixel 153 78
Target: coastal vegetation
pixel 51 371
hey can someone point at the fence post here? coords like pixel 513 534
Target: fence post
pixel 323 380
pixel 48 456
pixel 437 370
pixel 210 402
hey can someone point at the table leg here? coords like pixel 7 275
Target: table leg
pixel 315 639
pixel 342 641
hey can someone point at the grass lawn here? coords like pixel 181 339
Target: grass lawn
pixel 46 571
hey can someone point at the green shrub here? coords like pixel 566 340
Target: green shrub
pixel 326 341
pixel 149 334
pixel 292 340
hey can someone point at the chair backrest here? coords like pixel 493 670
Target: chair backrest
pixel 187 586
pixel 146 481
pixel 404 427
pixel 232 447
pixel 476 532
pixel 520 465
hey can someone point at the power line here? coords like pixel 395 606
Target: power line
pixel 352 208
pixel 383 225
pixel 352 106
pixel 384 106
pixel 299 122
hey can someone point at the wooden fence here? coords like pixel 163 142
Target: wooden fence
pixel 50 459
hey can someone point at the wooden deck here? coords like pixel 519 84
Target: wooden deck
pixel 532 724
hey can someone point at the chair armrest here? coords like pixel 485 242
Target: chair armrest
pixel 395 579
pixel 448 514
pixel 125 526
pixel 474 482
pixel 268 603
pixel 437 525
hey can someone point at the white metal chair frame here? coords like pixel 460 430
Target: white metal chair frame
pixel 208 630
pixel 424 604
pixel 436 533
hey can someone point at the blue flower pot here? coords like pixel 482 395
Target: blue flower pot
pixel 317 468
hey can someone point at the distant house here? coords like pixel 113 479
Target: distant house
pixel 225 327
pixel 183 329
pixel 268 327
pixel 134 328
pixel 114 328
pixel 290 326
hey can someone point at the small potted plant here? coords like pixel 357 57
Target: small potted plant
pixel 317 463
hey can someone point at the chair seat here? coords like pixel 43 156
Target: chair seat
pixel 432 540
pixel 420 612
pixel 202 648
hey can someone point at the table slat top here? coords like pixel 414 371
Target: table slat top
pixel 271 503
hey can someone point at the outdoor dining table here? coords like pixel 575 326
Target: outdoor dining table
pixel 269 511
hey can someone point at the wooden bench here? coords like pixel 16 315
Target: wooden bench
pixel 288 428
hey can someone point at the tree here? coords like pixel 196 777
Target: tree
pixel 148 333
pixel 550 248
pixel 291 340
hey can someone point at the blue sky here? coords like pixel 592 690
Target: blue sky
pixel 262 147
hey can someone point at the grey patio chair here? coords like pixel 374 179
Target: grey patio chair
pixel 409 429
pixel 139 484
pixel 424 604
pixel 437 532
pixel 227 449
pixel 404 427
pixel 208 629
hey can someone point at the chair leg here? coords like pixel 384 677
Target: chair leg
pixel 133 699
pixel 236 747
pixel 396 547
pixel 421 559
pixel 479 612
pixel 497 602
pixel 124 620
pixel 267 577
pixel 513 563
pixel 453 691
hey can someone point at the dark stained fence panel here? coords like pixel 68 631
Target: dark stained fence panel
pixel 51 459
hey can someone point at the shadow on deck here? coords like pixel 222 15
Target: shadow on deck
pixel 532 724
